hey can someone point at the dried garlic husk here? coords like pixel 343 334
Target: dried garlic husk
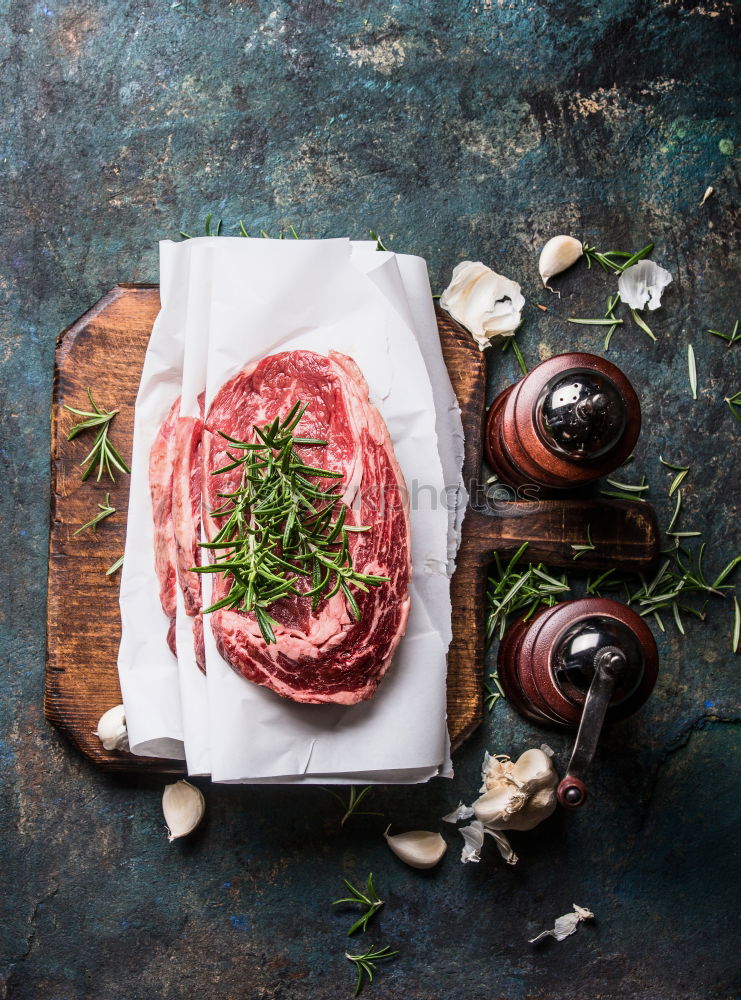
pixel 558 255
pixel 184 806
pixel 473 841
pixel 566 925
pixel 417 848
pixel 503 845
pixel 518 795
pixel 641 285
pixel 486 303
pixel 111 729
pixel 460 812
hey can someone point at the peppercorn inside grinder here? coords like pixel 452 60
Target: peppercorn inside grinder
pixel 572 419
pixel 578 664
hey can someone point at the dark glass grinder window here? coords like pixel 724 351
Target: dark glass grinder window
pixel 581 414
pixel 575 653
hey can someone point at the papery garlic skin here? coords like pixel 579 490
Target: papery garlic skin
pixel 559 253
pixel 486 303
pixel 111 729
pixel 417 848
pixel 473 841
pixel 183 806
pixel 641 285
pixel 460 812
pixel 566 925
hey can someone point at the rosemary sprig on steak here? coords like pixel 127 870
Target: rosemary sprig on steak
pixel 282 533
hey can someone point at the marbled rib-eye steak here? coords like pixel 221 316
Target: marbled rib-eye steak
pixel 325 655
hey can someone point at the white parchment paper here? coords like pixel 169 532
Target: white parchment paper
pixel 226 302
pixel 193 685
pixel 269 296
pixel 147 670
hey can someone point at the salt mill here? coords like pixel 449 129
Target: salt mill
pixel 572 419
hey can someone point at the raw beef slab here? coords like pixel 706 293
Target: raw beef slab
pixel 160 486
pixel 325 656
pixel 175 486
pixel 186 517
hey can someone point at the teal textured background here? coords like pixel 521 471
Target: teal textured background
pixel 457 130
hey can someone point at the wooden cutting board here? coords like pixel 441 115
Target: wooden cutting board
pixel 105 350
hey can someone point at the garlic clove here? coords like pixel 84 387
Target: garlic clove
pixel 497 807
pixel 184 806
pixel 557 255
pixel 417 848
pixel 111 729
pixel 534 770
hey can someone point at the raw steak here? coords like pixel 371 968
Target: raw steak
pixel 175 485
pixel 325 656
pixel 160 485
pixel 186 517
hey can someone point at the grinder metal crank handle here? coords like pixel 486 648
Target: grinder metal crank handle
pixel 609 661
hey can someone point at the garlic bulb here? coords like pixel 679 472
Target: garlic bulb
pixel 486 303
pixel 417 848
pixel 517 795
pixel 184 806
pixel 557 255
pixel 111 729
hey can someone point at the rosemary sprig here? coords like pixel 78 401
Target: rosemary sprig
pixel 681 471
pixel 353 802
pixel 367 897
pixel 379 241
pixel 365 963
pixel 626 491
pixel 514 589
pixel 103 453
pixel 492 697
pixel 280 531
pixel 104 510
pixel 725 573
pixel 614 261
pixel 588 546
pixel 736 626
pixel 692 369
pixel 518 355
pixel 734 404
pixel 642 324
pixel 115 567
pixel 731 337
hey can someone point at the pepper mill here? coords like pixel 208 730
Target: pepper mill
pixel 572 419
pixel 578 664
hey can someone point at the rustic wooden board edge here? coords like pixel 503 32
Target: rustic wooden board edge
pixel 90 747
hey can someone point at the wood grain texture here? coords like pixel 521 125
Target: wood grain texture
pixel 105 350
